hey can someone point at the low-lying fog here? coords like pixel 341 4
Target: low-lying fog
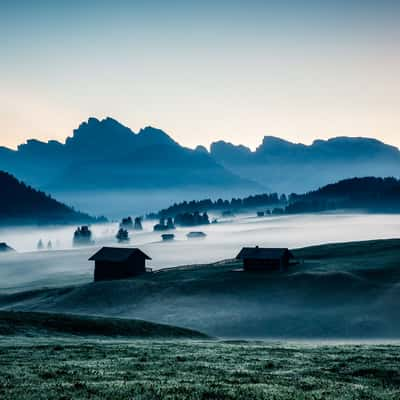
pixel 64 265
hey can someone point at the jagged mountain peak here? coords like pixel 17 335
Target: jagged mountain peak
pixel 151 136
pixel 222 149
pixel 100 139
pixel 201 149
pixel 38 148
pixel 269 139
pixel 273 143
pixel 359 147
pixel 95 129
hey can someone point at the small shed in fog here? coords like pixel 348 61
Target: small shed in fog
pixel 118 263
pixel 263 258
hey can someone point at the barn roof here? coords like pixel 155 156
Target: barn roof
pixel 117 254
pixel 263 253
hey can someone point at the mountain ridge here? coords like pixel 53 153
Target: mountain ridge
pixel 123 157
pixel 104 155
pixel 290 167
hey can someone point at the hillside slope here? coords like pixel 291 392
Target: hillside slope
pixel 369 193
pixel 348 290
pixel 39 324
pixel 22 204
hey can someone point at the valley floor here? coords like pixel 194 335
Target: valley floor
pixel 75 369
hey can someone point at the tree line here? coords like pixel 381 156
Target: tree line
pixel 237 204
pixel 368 193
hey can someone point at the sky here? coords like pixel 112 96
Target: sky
pixel 201 71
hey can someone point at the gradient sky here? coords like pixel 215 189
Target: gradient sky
pixel 232 70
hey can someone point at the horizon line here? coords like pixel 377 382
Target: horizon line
pixel 207 147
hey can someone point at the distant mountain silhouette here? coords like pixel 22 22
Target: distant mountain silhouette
pixel 107 155
pixel 285 167
pixel 21 204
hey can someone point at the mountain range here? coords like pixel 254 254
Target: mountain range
pixel 104 156
pixel 287 167
pixel 107 155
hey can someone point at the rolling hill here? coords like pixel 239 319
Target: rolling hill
pixel 45 324
pixel 348 290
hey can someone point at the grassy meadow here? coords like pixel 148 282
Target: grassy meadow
pixel 65 343
pixel 71 369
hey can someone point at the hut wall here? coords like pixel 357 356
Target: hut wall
pixel 105 270
pixel 265 264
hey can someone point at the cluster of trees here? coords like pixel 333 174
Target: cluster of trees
pixel 192 219
pixel 182 219
pixel 40 245
pixel 165 224
pixel 205 205
pixel 300 206
pixel 82 236
pixel 128 224
pixel 122 235
pixel 370 193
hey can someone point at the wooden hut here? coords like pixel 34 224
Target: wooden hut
pixel 118 263
pixel 263 259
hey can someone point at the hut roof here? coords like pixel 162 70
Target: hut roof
pixel 263 253
pixel 117 254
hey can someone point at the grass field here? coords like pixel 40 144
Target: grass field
pixel 72 369
pixel 342 291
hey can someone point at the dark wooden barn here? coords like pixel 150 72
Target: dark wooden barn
pixel 262 259
pixel 118 263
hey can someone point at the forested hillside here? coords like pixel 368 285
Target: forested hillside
pixel 22 204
